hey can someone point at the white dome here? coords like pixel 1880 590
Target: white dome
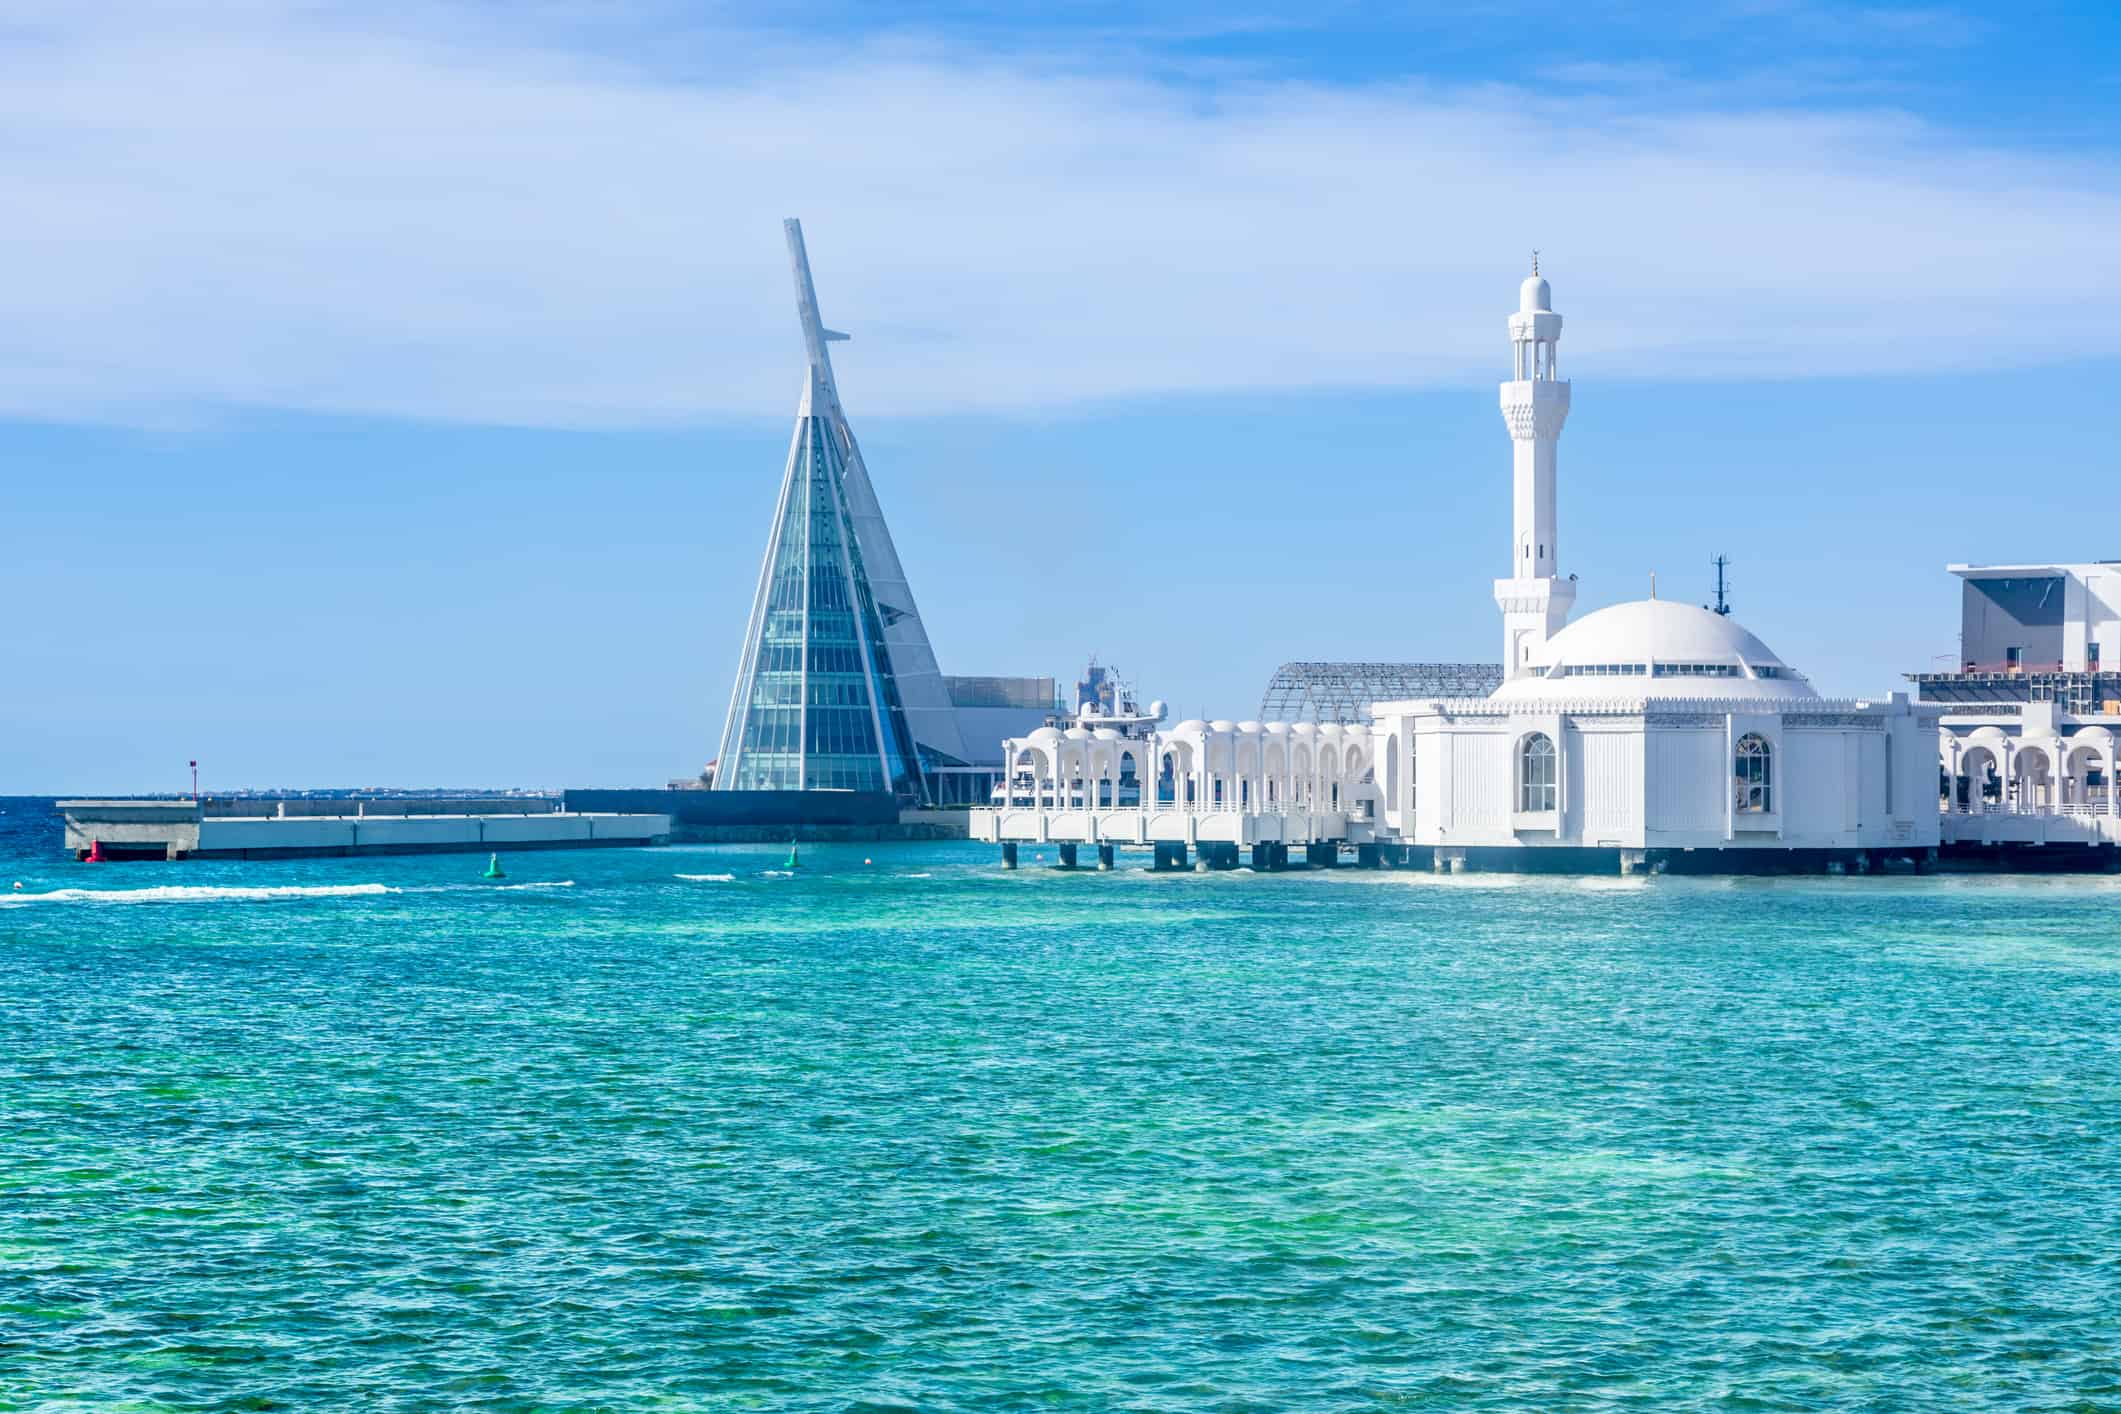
pixel 1044 734
pixel 1535 296
pixel 1655 648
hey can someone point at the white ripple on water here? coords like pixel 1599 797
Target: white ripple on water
pixel 257 893
pixel 201 893
pixel 708 878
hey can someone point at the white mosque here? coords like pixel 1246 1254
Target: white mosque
pixel 1648 734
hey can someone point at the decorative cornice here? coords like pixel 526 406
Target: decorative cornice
pixel 1821 708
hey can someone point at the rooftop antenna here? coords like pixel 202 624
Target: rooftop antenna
pixel 1653 584
pixel 1723 588
pixel 1535 262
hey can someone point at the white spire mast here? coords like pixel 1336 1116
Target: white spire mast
pixel 815 334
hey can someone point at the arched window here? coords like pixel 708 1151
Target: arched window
pixel 1536 791
pixel 1754 770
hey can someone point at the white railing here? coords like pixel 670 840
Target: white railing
pixel 1222 807
pixel 2076 809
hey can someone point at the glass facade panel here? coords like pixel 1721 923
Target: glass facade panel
pixel 821 680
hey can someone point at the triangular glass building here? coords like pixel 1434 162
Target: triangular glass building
pixel 837 688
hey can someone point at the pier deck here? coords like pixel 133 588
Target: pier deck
pixel 1215 834
pixel 186 829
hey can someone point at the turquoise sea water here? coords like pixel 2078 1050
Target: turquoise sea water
pixel 673 1130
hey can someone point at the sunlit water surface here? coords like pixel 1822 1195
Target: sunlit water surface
pixel 679 1129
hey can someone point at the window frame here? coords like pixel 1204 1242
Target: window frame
pixel 1540 796
pixel 1753 775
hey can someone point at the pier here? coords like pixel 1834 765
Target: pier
pixel 306 828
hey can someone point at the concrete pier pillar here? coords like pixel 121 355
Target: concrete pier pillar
pixel 1634 861
pixel 1168 856
pixel 1104 858
pixel 1067 856
pixel 1368 856
pixel 1455 860
pixel 1008 854
pixel 1321 856
pixel 1262 858
pixel 1837 866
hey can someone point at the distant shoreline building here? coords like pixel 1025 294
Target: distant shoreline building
pixel 2032 725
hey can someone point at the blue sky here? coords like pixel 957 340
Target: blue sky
pixel 396 394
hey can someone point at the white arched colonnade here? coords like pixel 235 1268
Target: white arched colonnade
pixel 1262 768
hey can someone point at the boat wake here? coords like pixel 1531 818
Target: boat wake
pixel 260 893
pixel 200 893
pixel 708 878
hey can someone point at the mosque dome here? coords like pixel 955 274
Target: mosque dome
pixel 1535 296
pixel 1655 648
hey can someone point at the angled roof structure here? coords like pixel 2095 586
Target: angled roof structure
pixel 1343 692
pixel 837 687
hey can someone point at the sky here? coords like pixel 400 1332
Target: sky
pixel 397 394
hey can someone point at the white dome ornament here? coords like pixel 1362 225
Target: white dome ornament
pixel 1535 296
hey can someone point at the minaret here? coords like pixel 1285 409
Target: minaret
pixel 1534 601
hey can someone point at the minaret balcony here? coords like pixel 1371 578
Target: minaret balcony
pixel 1535 409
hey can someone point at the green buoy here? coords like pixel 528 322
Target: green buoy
pixel 794 859
pixel 493 868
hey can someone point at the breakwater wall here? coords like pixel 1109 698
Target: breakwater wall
pixel 751 816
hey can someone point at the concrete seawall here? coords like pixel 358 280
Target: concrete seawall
pixel 757 816
pixel 135 829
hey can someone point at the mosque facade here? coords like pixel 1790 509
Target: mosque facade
pixel 1653 731
pixel 1650 725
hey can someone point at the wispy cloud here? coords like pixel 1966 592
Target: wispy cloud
pixel 295 207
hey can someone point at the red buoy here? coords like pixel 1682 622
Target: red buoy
pixel 95 853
